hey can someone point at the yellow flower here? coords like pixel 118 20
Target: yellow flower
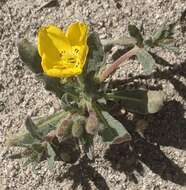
pixel 63 53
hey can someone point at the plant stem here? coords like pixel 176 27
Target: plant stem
pixel 116 63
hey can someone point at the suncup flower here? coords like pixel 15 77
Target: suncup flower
pixel 63 53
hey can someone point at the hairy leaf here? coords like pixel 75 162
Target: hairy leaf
pixel 32 159
pixel 169 47
pixel 146 60
pixel 136 34
pixel 44 126
pixel 29 55
pixel 31 127
pixel 52 84
pixel 164 33
pixel 163 38
pixel 37 148
pixel 87 143
pixel 96 55
pixel 112 132
pixel 139 101
pixel 115 132
pixel 52 155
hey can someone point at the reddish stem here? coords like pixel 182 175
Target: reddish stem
pixel 116 63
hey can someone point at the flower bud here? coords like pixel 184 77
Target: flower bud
pixel 77 128
pixel 92 123
pixel 64 128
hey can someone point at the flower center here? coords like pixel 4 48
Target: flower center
pixel 70 58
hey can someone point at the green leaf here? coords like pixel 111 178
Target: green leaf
pixel 115 132
pixel 34 158
pixel 88 146
pixel 169 47
pixel 138 101
pixel 52 155
pixel 37 148
pixel 146 60
pixel 44 126
pixel 96 55
pixel 52 84
pixel 165 32
pixel 31 127
pixel 149 43
pixel 29 55
pixel 112 132
pixel 163 38
pixel 69 102
pixel 51 119
pixel 70 97
pixel 136 34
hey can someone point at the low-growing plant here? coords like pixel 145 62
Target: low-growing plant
pixel 72 65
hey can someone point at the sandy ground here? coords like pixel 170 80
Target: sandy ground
pixel 156 163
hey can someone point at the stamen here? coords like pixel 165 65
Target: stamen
pixel 76 51
pixel 61 53
pixel 72 60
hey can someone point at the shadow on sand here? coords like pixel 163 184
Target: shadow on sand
pixel 82 173
pixel 166 128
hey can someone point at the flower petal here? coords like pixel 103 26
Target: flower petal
pixel 47 63
pixel 63 55
pixel 63 72
pixel 81 53
pixel 77 33
pixel 59 69
pixel 52 40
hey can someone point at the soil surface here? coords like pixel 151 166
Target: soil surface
pixel 155 162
